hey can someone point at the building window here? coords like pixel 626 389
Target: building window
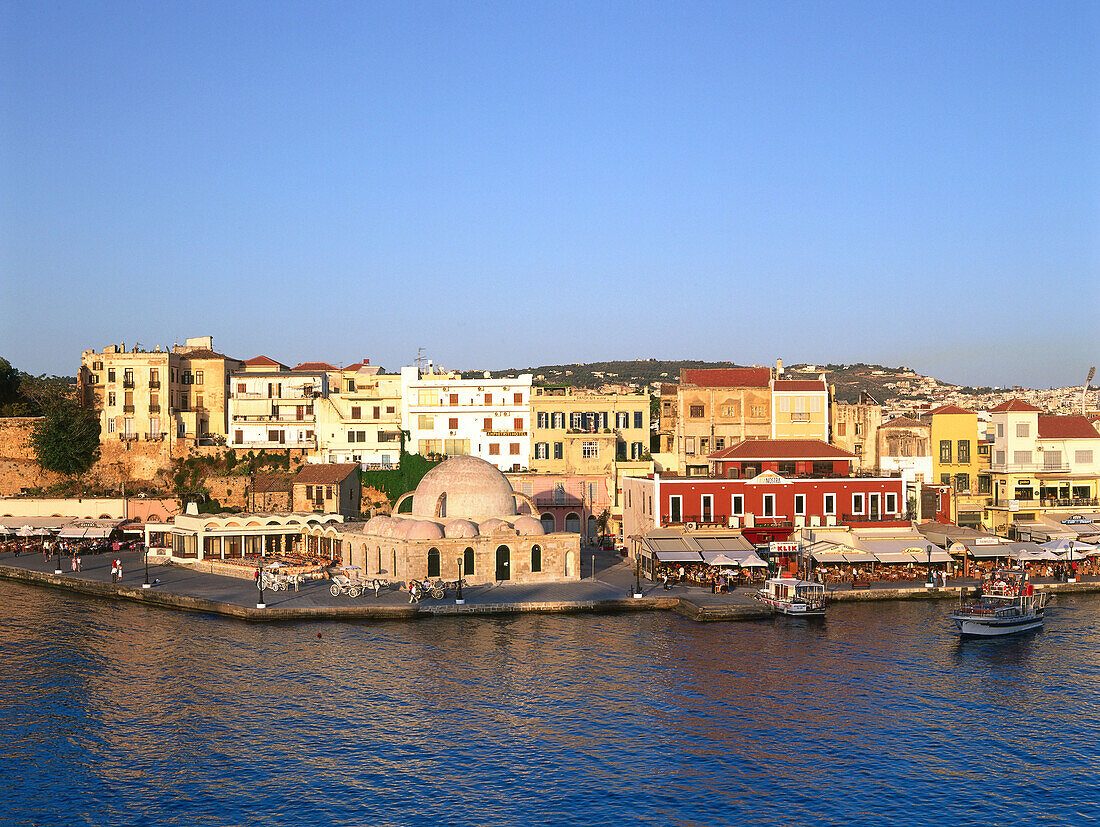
pixel 1021 457
pixel 841 428
pixel 110 400
pixel 110 374
pixel 517 399
pixel 517 423
pixel 857 503
pixel 557 419
pixel 962 483
pixel 488 399
pixel 769 505
pixel 945 450
pixel 800 504
pixel 1000 429
pixel 737 505
pixel 111 425
pixel 945 479
pixel 356 412
pixel 487 424
pixel 636 450
pixel 964 450
pixel 453 399
pixel 859 429
pixel 1082 457
pixel 198 377
pixel 1022 429
pixel 425 423
pixel 433 562
pixel 467 561
pixel 542 450
pixel 536 559
pixel 675 512
pixel 689 446
pixel 452 423
pixel 590 449
pixel 829 506
pixel 309 492
pixel 695 411
pixel 758 411
pixel 241 387
pixel 542 420
pixel 349 385
pixel 984 485
pixel 513 449
pixel 708 508
pixel 558 453
pixel 1000 458
pixel 622 419
pixel 494 449
pixel 891 503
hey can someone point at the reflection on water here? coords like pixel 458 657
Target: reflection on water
pixel 117 714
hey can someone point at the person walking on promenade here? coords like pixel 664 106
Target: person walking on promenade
pixel 664 581
pixel 119 563
pixel 78 560
pixel 413 598
pixel 114 572
pixel 681 574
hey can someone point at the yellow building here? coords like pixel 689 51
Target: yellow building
pixel 360 418
pixel 800 409
pixel 956 461
pixel 579 432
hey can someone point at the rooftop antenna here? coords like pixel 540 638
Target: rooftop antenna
pixel 419 359
pixel 1085 390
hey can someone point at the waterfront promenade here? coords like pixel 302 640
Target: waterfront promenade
pixel 181 588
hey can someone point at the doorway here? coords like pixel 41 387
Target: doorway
pixel 503 563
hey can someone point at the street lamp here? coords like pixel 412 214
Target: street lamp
pixel 145 585
pixel 260 583
pixel 637 575
pixel 930 581
pixel 458 594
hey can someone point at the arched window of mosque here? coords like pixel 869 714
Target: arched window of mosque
pixel 467 562
pixel 536 558
pixel 433 562
pixel 441 505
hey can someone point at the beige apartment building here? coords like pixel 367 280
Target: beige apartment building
pixel 710 410
pixel 855 429
pixel 142 395
pixel 273 407
pixel 581 432
pixel 360 419
pixel 800 408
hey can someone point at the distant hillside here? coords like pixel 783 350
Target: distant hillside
pixel 849 380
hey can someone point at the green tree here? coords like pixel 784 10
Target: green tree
pixel 66 438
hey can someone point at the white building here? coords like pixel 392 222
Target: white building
pixel 272 407
pixel 486 418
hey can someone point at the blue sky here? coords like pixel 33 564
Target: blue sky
pixel 508 184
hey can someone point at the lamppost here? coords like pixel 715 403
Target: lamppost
pixel 458 594
pixel 930 581
pixel 57 547
pixel 637 575
pixel 145 585
pixel 260 583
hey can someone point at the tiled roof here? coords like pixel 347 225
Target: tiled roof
pixel 799 385
pixel 315 366
pixel 1066 427
pixel 949 409
pixel 904 422
pixel 265 361
pixel 205 353
pixel 727 377
pixel 325 473
pixel 1014 405
pixel 782 449
pixel 272 483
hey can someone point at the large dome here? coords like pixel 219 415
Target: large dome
pixel 474 489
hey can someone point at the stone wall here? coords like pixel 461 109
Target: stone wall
pixel 18 469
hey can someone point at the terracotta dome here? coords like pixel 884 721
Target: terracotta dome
pixel 528 525
pixel 460 529
pixel 397 528
pixel 474 489
pixel 494 525
pixel 425 530
pixel 374 524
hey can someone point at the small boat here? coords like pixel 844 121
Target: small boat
pixel 794 597
pixel 1005 605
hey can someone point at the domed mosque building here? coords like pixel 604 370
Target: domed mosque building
pixel 464 512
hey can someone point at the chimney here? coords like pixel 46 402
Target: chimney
pixel 778 368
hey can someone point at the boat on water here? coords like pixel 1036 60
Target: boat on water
pixel 794 597
pixel 1006 604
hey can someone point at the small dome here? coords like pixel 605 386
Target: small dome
pixel 469 487
pixel 374 524
pixel 425 530
pixel 460 529
pixel 494 526
pixel 529 525
pixel 397 528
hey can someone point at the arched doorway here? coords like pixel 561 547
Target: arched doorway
pixel 467 562
pixel 591 528
pixel 433 562
pixel 536 559
pixel 570 563
pixel 573 522
pixel 504 563
pixel 549 525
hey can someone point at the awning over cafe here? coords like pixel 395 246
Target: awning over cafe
pixel 678 557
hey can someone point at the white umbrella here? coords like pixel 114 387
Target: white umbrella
pixel 4 530
pixel 1031 555
pixel 274 565
pixel 1072 555
pixel 723 560
pixel 753 561
pixel 25 531
pixel 1062 544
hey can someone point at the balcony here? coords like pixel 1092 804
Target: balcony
pixel 1029 468
pixel 800 417
pixel 128 409
pixel 1073 502
pixel 154 384
pixel 154 409
pixel 128 384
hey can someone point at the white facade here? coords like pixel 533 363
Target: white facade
pixel 275 410
pixel 912 469
pixel 486 418
pixel 360 419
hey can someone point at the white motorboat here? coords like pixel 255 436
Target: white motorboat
pixel 1005 605
pixel 793 597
